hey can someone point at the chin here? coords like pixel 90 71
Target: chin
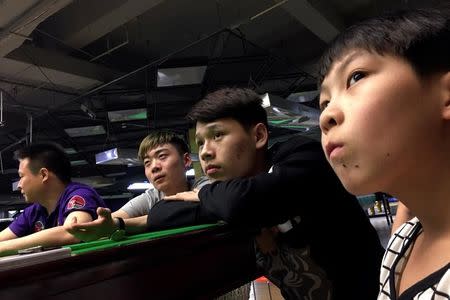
pixel 157 186
pixel 356 189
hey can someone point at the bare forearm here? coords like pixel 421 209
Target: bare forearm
pixel 120 214
pixel 56 236
pixel 6 234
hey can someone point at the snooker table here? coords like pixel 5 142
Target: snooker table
pixel 196 262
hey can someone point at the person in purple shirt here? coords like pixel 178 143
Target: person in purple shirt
pixel 44 172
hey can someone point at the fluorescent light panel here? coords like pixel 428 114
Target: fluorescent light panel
pixel 70 150
pixel 14 185
pixel 147 185
pixel 127 115
pixel 116 174
pixel 140 186
pixel 78 162
pixel 106 156
pixel 85 131
pixel 180 76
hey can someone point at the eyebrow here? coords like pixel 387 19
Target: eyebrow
pixel 209 127
pixel 156 153
pixel 161 150
pixel 348 59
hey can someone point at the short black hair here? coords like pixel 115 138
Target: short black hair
pixel 420 36
pixel 47 155
pixel 241 104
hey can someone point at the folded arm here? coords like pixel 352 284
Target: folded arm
pixel 271 198
pixel 104 225
pixel 259 201
pixel 7 234
pixel 55 236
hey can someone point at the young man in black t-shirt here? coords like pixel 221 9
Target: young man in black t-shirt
pixel 310 237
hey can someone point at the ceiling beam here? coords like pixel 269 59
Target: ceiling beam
pixel 59 62
pixel 313 19
pixel 86 21
pixel 18 19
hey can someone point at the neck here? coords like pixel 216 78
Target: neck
pixel 262 164
pixel 177 188
pixel 430 201
pixel 50 199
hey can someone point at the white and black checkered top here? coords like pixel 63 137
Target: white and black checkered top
pixel 435 286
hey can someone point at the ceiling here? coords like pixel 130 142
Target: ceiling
pixel 65 64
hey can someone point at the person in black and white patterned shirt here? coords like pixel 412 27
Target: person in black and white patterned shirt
pixel 435 286
pixel 385 101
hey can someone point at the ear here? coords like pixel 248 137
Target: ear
pixel 44 173
pixel 187 160
pixel 261 135
pixel 445 88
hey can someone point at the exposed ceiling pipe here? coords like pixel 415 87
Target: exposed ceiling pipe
pixel 23 139
pixel 30 126
pixel 37 87
pixel 6 148
pixel 161 60
pixel 151 64
pixel 112 49
pixel 268 9
pixel 109 51
pixel 1 109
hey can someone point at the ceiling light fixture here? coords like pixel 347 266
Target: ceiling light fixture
pixel 85 131
pixel 180 76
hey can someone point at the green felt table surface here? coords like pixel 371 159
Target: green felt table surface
pixel 131 239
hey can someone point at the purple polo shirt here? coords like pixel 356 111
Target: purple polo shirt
pixel 76 197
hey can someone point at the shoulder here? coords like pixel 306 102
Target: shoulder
pixel 398 245
pixel 297 146
pixel 301 156
pixel 399 240
pixel 76 187
pixel 31 211
pixel 32 207
pixel 151 193
pixel 200 182
pixel 444 281
pixel 78 195
pixel 408 228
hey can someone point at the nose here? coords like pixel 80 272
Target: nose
pixel 330 117
pixel 206 152
pixel 155 166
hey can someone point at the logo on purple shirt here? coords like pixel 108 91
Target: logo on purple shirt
pixel 38 226
pixel 76 202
